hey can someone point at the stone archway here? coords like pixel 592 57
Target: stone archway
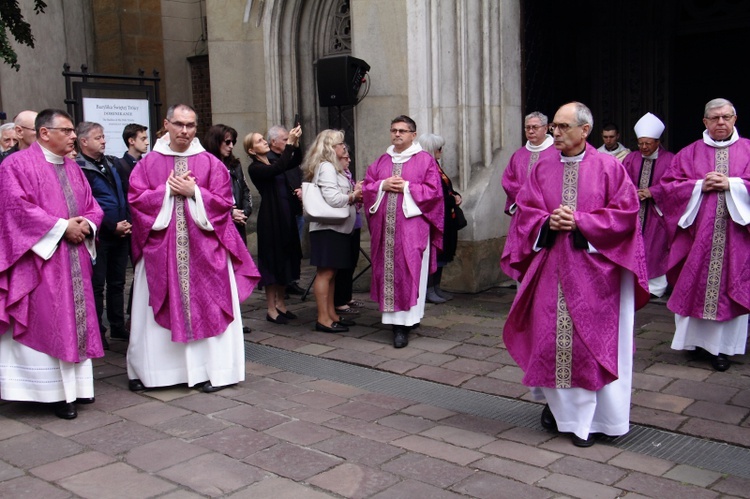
pixel 296 34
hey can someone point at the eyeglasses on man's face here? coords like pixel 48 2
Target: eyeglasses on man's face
pixel 27 128
pixel 65 131
pixel 532 128
pixel 564 127
pixel 180 125
pixel 401 131
pixel 715 119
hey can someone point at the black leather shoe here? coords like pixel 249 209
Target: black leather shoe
pixel 347 311
pixel 246 330
pixel 294 289
pixel 135 385
pixel 280 319
pixel 288 314
pixel 87 400
pixel 720 362
pixel 548 419
pixel 346 322
pixel 209 388
pixel 580 442
pixel 400 336
pixel 334 328
pixel 66 410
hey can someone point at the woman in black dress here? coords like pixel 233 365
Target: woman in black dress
pixel 279 251
pixel 220 141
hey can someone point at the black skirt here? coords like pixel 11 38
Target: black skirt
pixel 330 249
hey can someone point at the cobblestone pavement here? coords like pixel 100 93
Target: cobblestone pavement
pixel 281 435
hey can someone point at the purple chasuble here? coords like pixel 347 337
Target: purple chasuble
pixel 518 169
pixel 711 255
pixel 514 177
pixel 397 242
pixel 648 173
pixel 563 327
pixel 186 267
pixel 49 302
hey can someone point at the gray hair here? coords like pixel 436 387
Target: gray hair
pixel 583 114
pixel 274 132
pixel 536 114
pixel 7 126
pixel 431 142
pixel 84 128
pixel 714 103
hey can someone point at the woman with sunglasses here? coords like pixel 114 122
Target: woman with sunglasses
pixel 220 141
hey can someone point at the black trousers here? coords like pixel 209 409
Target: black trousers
pixel 342 293
pixel 109 270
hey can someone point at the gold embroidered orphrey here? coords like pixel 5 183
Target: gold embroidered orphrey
pixel 183 248
pixel 79 295
pixel 564 326
pixel 644 181
pixel 718 242
pixel 532 160
pixel 389 290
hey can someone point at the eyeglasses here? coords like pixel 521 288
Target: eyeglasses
pixel 564 127
pixel 725 117
pixel 401 131
pixel 27 128
pixel 529 128
pixel 65 131
pixel 180 125
pixel 230 141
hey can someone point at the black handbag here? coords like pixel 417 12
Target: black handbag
pixel 459 218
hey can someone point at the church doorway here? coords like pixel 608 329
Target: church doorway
pixel 624 58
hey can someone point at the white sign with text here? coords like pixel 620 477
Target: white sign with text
pixel 114 115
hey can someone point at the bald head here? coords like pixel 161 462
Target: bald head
pixel 25 130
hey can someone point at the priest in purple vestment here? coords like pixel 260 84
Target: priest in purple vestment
pixel 539 145
pixel 192 268
pixel 403 199
pixel 707 207
pixel 579 252
pixel 646 166
pixel 48 326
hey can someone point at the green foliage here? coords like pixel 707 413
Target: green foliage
pixel 12 20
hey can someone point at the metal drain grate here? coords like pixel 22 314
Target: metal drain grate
pixel 681 449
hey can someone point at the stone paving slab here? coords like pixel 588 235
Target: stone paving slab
pixel 285 435
pixel 383 447
pixel 459 343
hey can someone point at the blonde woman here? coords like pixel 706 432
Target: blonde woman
pixel 329 244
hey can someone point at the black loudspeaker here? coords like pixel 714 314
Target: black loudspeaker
pixel 339 79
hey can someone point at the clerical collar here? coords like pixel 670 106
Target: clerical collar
pixel 405 155
pixel 52 157
pixel 162 146
pixel 548 141
pixel 652 156
pixel 721 143
pixel 573 159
